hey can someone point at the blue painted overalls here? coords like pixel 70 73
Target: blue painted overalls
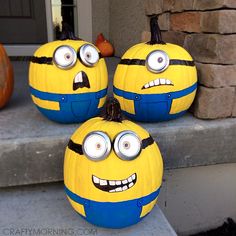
pixel 113 214
pixel 153 107
pixel 73 107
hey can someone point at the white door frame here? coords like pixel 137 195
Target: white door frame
pixel 84 12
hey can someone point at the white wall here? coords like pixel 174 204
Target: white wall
pixel 127 21
pixel 100 18
pixel 199 198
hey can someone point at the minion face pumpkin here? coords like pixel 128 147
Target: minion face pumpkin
pixel 155 81
pixel 112 171
pixel 68 80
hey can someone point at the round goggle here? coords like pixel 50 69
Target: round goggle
pixel 65 56
pixel 97 145
pixel 157 61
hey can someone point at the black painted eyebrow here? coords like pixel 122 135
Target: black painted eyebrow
pixel 78 147
pixel 141 62
pixel 49 60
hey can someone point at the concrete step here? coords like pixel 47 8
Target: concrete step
pixel 32 147
pixel 44 210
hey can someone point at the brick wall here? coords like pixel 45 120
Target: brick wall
pixel 206 28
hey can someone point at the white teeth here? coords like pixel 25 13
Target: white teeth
pixel 78 78
pixel 162 81
pixel 95 180
pixel 131 184
pixel 103 182
pixel 118 189
pixel 119 185
pixel 168 82
pixel 112 183
pixel 151 83
pixel 125 188
pixel 156 82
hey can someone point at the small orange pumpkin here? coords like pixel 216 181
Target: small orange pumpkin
pixel 6 77
pixel 104 46
pixel 100 38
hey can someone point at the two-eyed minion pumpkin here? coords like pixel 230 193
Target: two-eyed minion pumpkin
pixel 155 81
pixel 112 170
pixel 68 80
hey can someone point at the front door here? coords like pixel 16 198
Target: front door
pixel 23 22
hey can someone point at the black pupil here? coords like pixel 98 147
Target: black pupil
pixel 67 56
pixel 88 55
pixel 160 59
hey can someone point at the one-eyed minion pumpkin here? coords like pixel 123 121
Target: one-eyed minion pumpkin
pixel 112 170
pixel 155 81
pixel 68 80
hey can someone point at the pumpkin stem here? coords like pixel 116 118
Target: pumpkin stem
pixel 112 110
pixel 156 37
pixel 67 32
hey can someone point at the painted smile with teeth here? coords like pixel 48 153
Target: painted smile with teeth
pixel 113 186
pixel 80 81
pixel 158 82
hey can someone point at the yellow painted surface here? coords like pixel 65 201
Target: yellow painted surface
pixel 147 208
pixel 78 169
pixel 182 104
pixel 78 207
pixel 46 104
pixel 132 78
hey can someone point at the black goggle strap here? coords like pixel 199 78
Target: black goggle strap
pixel 78 147
pixel 41 60
pixel 75 147
pixel 147 142
pixel 48 60
pixel 140 62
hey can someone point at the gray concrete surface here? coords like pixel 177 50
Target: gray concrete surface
pixel 32 147
pixel 39 210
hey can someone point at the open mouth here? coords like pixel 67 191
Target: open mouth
pixel 158 82
pixel 113 186
pixel 81 81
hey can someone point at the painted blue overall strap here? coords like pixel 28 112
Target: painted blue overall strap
pixel 163 97
pixel 75 197
pixel 60 97
pixel 140 201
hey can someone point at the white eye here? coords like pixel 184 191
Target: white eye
pixel 89 55
pixel 157 61
pixel 127 145
pixel 64 57
pixel 96 146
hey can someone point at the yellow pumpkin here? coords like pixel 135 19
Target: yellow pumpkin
pixel 112 170
pixel 68 80
pixel 155 81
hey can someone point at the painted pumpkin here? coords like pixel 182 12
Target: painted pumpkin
pixel 68 80
pixel 6 77
pixel 104 46
pixel 155 81
pixel 112 170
